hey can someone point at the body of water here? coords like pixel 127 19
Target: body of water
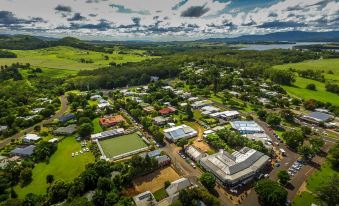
pixel 262 47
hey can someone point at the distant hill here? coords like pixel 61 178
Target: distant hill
pixel 291 36
pixel 26 42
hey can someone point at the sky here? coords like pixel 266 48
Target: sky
pixel 165 20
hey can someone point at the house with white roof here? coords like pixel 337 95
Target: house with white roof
pixel 183 131
pixel 177 186
pixel 226 115
pixel 31 138
pixel 145 199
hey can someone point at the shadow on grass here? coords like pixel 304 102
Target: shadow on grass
pixel 289 186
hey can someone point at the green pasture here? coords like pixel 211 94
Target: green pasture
pixel 305 199
pixel 69 58
pixel 299 90
pixel 96 126
pixel 122 144
pixel 62 165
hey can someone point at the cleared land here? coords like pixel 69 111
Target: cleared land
pixel 155 180
pixel 62 165
pixel 69 59
pixel 299 88
pixel 122 144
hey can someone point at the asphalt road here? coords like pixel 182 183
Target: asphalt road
pixel 63 109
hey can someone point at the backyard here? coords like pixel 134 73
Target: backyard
pixel 122 144
pixel 61 165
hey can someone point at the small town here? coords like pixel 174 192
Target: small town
pixel 169 103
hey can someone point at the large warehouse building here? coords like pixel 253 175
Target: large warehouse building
pixel 236 168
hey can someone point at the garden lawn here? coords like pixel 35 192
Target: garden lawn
pixel 304 199
pixel 160 194
pixel 96 126
pixel 299 90
pixel 321 176
pixel 62 165
pixel 122 144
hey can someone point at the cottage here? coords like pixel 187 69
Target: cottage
pixel 53 140
pixel 160 120
pixel 177 186
pixel 110 121
pixel 149 109
pixel 69 130
pixel 163 160
pixel 167 110
pixel 23 151
pixel 95 97
pixel 226 115
pixel 3 129
pixel 37 110
pixel 154 78
pixel 194 153
pixel 31 138
pixel 202 103
pixel 66 118
pixel 144 199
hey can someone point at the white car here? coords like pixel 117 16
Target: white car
pixel 73 154
pixel 76 154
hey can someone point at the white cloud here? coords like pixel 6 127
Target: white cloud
pixel 164 18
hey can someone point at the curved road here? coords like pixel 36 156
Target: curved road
pixel 63 109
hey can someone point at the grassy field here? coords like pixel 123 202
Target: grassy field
pixel 96 126
pixel 321 94
pixel 304 199
pixel 68 59
pixel 62 165
pixel 122 144
pixel 317 179
pixel 299 90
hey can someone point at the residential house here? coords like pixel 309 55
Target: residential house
pixel 160 120
pixel 109 121
pixel 177 186
pixel 149 109
pixel 66 117
pixel 226 115
pixel 145 199
pixel 28 138
pixel 163 160
pixel 69 130
pixel 317 117
pixel 167 110
pixel 194 153
pixel 23 151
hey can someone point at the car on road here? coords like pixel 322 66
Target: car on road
pixel 277 164
pixel 181 154
pixel 193 165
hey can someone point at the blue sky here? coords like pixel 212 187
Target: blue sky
pixel 164 20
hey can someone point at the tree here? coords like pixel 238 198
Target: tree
pixel 49 179
pixel 293 139
pixel 305 130
pixel 208 180
pixel 284 177
pixel 329 191
pixel 214 73
pixel 283 77
pixel 167 184
pixel 333 156
pixel 273 120
pixel 85 129
pixel 182 142
pixel 44 150
pixel 262 114
pixel 310 104
pixel 58 192
pixel 287 115
pixel 189 112
pixel 311 87
pixel 104 184
pixel 316 144
pixel 270 193
pixel 306 152
pixel 26 176
pixel 99 198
